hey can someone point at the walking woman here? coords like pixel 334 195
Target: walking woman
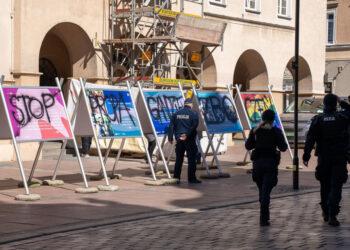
pixel 265 139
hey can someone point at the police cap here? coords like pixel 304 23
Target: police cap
pixel 188 101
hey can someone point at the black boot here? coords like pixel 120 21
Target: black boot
pixel 333 221
pixel 264 222
pixel 325 215
pixel 264 219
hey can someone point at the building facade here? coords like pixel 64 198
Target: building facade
pixel 338 47
pixel 42 39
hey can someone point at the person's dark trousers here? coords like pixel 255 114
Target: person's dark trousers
pixel 332 174
pixel 151 147
pixel 86 144
pixel 265 176
pixel 190 147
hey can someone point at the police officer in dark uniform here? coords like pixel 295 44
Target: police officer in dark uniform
pixel 184 124
pixel 329 131
pixel 265 139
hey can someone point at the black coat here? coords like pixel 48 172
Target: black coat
pixel 266 140
pixel 184 121
pixel 329 132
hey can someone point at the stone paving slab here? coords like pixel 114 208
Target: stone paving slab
pixel 296 223
pixel 61 209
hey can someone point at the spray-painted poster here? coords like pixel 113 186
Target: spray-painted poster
pixel 255 104
pixel 113 113
pixel 219 112
pixel 162 105
pixel 37 113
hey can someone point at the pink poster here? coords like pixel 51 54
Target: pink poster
pixel 37 114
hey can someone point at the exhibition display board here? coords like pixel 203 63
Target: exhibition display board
pixel 107 112
pixel 113 113
pixel 253 104
pixel 37 113
pixel 218 115
pixel 219 112
pixel 34 114
pixel 156 108
pixel 162 104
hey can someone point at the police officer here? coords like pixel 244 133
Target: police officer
pixel 329 131
pixel 184 124
pixel 265 139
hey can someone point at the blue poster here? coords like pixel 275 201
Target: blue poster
pixel 162 105
pixel 113 113
pixel 219 112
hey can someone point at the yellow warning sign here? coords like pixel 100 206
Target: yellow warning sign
pixel 171 13
pixel 195 57
pixel 173 81
pixel 147 55
pixel 189 94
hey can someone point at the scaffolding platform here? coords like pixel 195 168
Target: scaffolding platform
pixel 186 28
pixel 165 14
pixel 148 42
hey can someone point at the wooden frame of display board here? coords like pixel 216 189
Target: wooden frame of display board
pixel 39 114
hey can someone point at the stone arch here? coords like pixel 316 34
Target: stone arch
pixel 209 67
pixel 305 76
pixel 251 71
pixel 67 48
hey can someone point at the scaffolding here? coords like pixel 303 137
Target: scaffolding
pixel 147 40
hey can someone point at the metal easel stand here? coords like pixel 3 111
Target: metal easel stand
pixel 283 132
pixel 30 182
pixel 170 180
pixel 238 88
pixel 158 158
pixel 206 153
pixel 217 148
pixel 221 174
pixel 100 174
pixel 53 181
pixel 149 157
pixel 27 196
pixel 106 187
pixel 113 174
pixel 86 188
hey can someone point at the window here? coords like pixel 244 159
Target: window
pixel 252 5
pixel 330 27
pixel 285 8
pixel 218 2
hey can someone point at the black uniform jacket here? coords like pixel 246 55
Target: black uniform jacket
pixel 329 132
pixel 184 121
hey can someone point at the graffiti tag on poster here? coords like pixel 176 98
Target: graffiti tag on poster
pixel 37 114
pixel 113 113
pixel 162 105
pixel 219 112
pixel 255 104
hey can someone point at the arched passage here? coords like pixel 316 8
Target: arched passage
pixel 66 51
pixel 305 77
pixel 251 71
pixel 209 67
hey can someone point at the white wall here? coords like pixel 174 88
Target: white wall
pixel 6 39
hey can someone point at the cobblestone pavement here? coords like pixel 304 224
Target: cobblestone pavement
pixel 296 223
